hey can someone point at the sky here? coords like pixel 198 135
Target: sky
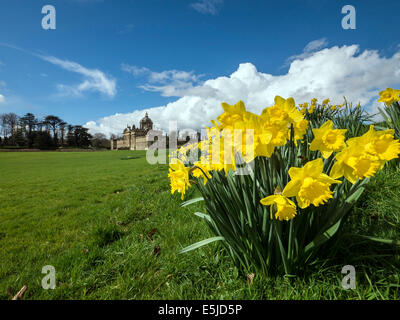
pixel 107 62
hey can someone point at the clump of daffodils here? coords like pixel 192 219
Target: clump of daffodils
pixel 294 170
pixel 364 156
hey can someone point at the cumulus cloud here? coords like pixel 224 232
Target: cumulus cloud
pixel 93 79
pixel 2 99
pixel 207 6
pixel 332 72
pixel 169 83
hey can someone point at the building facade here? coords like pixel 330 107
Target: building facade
pixel 135 138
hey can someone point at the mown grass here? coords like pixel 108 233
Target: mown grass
pixel 108 224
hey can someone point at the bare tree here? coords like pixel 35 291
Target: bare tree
pixel 9 123
pixel 99 140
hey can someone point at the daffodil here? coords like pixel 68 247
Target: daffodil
pixel 389 96
pixel 378 143
pixel 283 110
pixel 309 184
pixel 300 129
pixel 201 169
pixel 234 116
pixel 285 209
pixel 354 164
pixel 326 101
pixel 365 155
pixel 385 147
pixel 327 139
pixel 179 177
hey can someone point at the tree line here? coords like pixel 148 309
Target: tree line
pixel 49 132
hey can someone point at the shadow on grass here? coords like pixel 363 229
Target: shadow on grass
pixel 104 236
pixel 131 158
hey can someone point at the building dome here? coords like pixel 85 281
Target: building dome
pixel 146 123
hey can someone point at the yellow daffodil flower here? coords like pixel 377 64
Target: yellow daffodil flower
pixel 365 155
pixel 389 96
pixel 378 143
pixel 285 208
pixel 354 164
pixel 179 177
pixel 283 110
pixel 300 129
pixel 309 184
pixel 202 169
pixel 327 139
pixel 326 101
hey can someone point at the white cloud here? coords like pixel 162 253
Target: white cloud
pixel 316 45
pixel 2 99
pixel 207 6
pixel 93 79
pixel 309 49
pixel 332 72
pixel 170 83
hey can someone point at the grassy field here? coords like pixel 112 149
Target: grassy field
pixel 108 224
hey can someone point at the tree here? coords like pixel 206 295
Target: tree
pixel 9 123
pixel 1 126
pixel 19 138
pixel 70 136
pixel 53 123
pixel 62 131
pixel 40 124
pixel 47 133
pixel 28 123
pixel 43 141
pixel 82 137
pixel 99 140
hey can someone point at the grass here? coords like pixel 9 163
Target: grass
pixel 108 224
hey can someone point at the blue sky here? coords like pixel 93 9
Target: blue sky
pixel 117 56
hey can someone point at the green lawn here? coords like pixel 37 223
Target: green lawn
pixel 108 224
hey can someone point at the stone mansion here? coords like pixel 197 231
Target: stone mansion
pixel 134 138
